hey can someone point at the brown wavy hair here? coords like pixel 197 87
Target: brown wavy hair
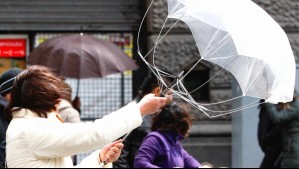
pixel 173 117
pixel 38 89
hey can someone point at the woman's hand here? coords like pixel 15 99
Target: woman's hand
pixel 150 104
pixel 111 152
pixel 168 96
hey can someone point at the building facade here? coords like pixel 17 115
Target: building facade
pixel 36 20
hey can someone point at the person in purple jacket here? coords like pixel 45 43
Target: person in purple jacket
pixel 162 147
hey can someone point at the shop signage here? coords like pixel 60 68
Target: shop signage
pixel 13 47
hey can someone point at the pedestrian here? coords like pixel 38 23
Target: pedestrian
pixel 66 110
pixel 135 138
pixel 162 147
pixel 37 137
pixel 287 118
pixel 6 83
pixel 269 137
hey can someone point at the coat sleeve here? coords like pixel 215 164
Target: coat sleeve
pixel 284 115
pixel 268 132
pixel 52 140
pixel 147 153
pixel 190 161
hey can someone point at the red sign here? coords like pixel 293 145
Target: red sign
pixel 13 48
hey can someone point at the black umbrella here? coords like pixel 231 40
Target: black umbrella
pixel 81 56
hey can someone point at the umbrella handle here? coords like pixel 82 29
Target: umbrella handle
pixel 78 84
pixel 123 139
pixel 105 163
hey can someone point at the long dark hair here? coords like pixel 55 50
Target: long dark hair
pixel 38 89
pixel 173 117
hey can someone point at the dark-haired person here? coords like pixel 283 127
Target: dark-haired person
pixel 36 136
pixel 287 116
pixel 133 141
pixel 162 147
pixel 6 83
pixel 269 137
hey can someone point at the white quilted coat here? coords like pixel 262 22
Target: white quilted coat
pixel 46 142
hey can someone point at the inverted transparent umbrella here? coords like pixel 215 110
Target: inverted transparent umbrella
pixel 240 37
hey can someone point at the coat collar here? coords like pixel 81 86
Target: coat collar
pixel 26 113
pixel 172 136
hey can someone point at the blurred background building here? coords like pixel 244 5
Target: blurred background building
pixel 228 141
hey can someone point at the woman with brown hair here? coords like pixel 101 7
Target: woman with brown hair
pixel 133 141
pixel 162 147
pixel 36 136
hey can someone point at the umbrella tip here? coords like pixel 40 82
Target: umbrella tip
pixel 81 29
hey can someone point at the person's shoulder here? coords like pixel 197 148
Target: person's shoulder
pixel 158 140
pixel 156 134
pixel 64 104
pixel 153 138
